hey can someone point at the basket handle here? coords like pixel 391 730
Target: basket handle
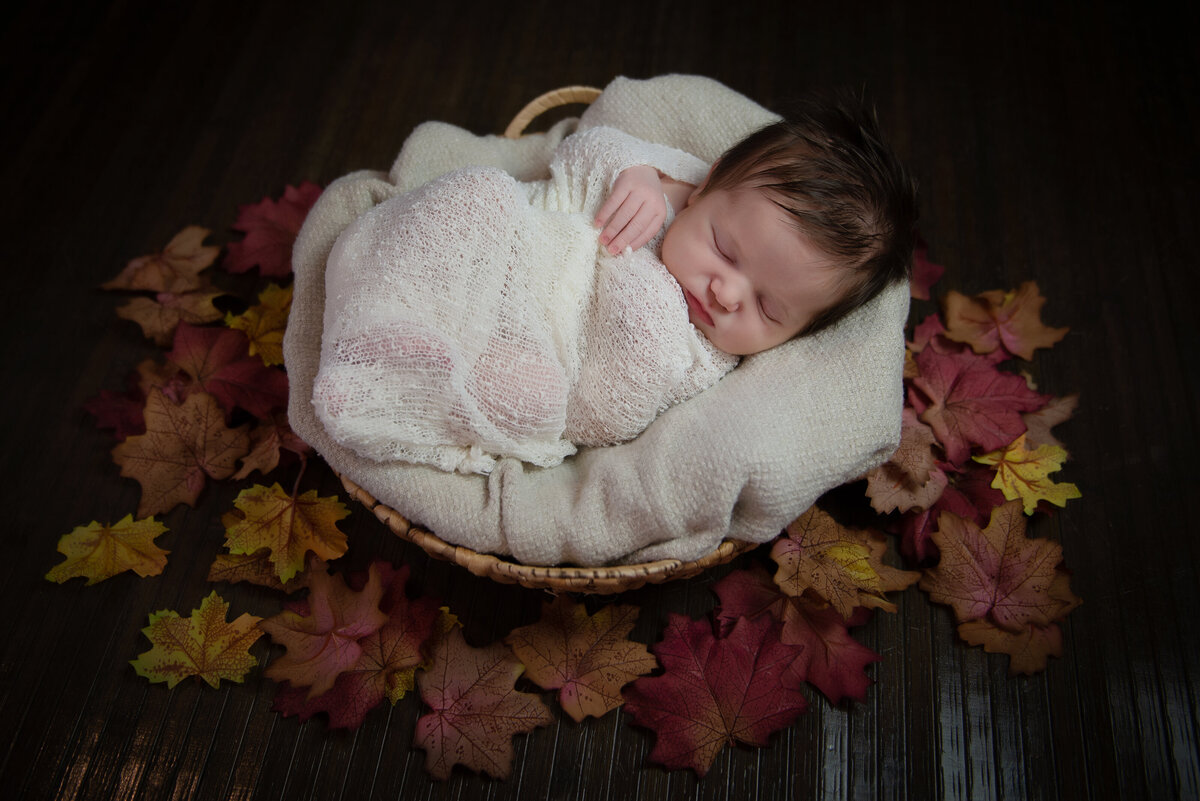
pixel 551 99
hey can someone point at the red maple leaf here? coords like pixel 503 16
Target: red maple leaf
pixel 271 227
pixel 120 411
pixel 386 667
pixel 832 660
pixel 325 642
pixel 996 573
pixel 967 401
pixel 219 360
pixel 969 494
pixel 715 691
pixel 925 273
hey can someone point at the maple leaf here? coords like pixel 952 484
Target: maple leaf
pixel 386 667
pixel 270 227
pixel 1039 423
pixel 970 402
pixel 587 658
pixel 842 565
pixel 268 440
pixel 925 273
pixel 324 642
pixel 120 411
pixel 475 708
pixel 176 268
pixel 265 323
pixel 203 645
pixel 218 360
pixel 1027 649
pixel 1023 474
pixel 997 572
pixel 288 526
pixel 254 568
pixel 968 494
pixel 158 317
pixel 98 552
pixel 832 660
pixel 909 479
pixel 715 691
pixel 182 444
pixel 995 319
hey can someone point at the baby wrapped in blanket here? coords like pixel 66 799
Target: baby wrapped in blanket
pixel 479 317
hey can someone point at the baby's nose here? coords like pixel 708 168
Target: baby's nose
pixel 726 294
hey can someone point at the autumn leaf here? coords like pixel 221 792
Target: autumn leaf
pixel 832 660
pixel 475 708
pixel 842 565
pixel 910 478
pixel 386 667
pixel 218 359
pixel 120 411
pixel 271 227
pixel 265 323
pixel 253 568
pixel 925 273
pixel 98 552
pixel 1023 474
pixel 175 269
pixel 716 691
pixel 995 573
pixel 324 642
pixel 1039 423
pixel 1011 320
pixel 970 402
pixel 182 445
pixel 159 316
pixel 588 659
pixel 288 526
pixel 268 440
pixel 203 645
pixel 1027 649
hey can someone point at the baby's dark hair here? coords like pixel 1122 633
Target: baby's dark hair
pixel 842 186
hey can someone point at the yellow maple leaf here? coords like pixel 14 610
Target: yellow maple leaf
pixel 97 552
pixel 288 526
pixel 265 323
pixel 1023 474
pixel 203 645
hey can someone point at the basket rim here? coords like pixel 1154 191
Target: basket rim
pixel 605 580
pixel 562 96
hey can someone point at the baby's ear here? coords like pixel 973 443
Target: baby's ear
pixel 699 190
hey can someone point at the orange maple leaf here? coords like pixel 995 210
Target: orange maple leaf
pixel 993 319
pixel 910 479
pixel 265 323
pixel 587 658
pixel 98 552
pixel 475 708
pixel 203 645
pixel 254 568
pixel 159 316
pixel 997 573
pixel 182 444
pixel 268 440
pixel 840 564
pixel 1027 649
pixel 176 268
pixel 1023 473
pixel 289 527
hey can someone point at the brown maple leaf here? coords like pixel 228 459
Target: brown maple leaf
pixel 588 659
pixel 1039 423
pixel 325 642
pixel 1011 320
pixel 182 445
pixel 253 568
pixel 910 478
pixel 475 708
pixel 176 268
pixel 842 565
pixel 289 527
pixel 268 440
pixel 996 573
pixel 159 316
pixel 1027 649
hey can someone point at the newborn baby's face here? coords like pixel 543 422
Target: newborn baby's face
pixel 751 280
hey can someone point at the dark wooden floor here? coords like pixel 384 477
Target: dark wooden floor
pixel 1056 144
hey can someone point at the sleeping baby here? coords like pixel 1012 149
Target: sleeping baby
pixel 478 317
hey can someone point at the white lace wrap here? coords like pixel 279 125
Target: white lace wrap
pixel 477 317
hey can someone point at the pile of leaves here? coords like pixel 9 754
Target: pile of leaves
pixel 973 465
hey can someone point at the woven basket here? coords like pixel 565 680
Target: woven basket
pixel 600 580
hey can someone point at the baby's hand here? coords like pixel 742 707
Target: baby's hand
pixel 635 210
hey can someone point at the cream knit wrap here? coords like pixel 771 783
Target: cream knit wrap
pixel 741 460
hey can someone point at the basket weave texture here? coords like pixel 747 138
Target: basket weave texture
pixel 598 580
